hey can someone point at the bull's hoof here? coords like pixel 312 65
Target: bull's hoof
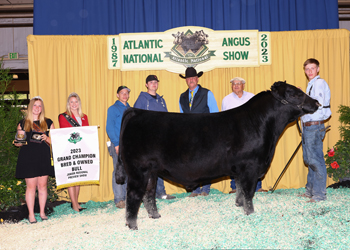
pixel 239 204
pixel 154 216
pixel 248 212
pixel 131 227
pixel 132 224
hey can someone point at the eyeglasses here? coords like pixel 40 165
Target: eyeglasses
pixel 237 83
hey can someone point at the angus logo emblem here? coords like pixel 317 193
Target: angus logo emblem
pixel 190 49
pixel 74 138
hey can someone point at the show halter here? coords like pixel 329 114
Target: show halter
pixel 284 101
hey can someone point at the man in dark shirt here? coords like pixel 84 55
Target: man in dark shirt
pixel 197 100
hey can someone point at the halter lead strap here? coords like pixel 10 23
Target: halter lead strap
pixel 284 101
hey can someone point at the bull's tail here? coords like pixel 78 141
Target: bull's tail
pixel 120 174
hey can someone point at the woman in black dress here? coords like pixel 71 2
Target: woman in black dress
pixel 34 159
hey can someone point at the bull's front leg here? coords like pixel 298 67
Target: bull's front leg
pixel 248 190
pixel 149 199
pixel 248 206
pixel 245 193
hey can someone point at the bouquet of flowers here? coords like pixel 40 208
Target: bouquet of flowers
pixel 338 158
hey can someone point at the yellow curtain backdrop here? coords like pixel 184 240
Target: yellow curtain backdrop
pixel 59 65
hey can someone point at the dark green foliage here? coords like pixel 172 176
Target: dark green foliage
pixel 338 157
pixel 10 115
pixel 344 118
pixel 12 190
pixel 12 193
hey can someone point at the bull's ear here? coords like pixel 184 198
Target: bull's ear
pixel 275 86
pixel 279 88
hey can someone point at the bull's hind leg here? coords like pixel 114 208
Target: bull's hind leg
pixel 135 191
pixel 239 194
pixel 149 199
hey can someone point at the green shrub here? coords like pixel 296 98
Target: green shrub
pixel 10 115
pixel 338 157
pixel 12 193
pixel 12 190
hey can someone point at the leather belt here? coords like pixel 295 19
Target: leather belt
pixel 307 124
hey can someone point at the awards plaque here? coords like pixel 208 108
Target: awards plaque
pixel 36 137
pixel 20 137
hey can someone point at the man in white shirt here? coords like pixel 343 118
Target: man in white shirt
pixel 237 98
pixel 238 95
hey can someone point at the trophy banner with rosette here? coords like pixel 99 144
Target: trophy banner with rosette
pixel 76 156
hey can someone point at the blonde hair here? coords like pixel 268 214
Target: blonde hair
pixel 28 121
pixel 68 111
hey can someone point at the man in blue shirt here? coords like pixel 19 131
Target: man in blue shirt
pixel 197 100
pixel 314 132
pixel 114 120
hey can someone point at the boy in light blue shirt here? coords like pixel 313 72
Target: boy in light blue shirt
pixel 314 132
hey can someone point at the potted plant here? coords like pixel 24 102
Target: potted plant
pixel 338 157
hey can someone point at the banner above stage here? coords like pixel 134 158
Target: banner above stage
pixel 189 46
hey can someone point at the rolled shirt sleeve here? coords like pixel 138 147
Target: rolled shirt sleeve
pixel 213 106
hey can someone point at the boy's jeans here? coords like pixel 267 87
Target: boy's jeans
pixel 313 156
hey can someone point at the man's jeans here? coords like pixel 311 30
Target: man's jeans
pixel 233 184
pixel 119 191
pixel 201 189
pixel 160 190
pixel 313 156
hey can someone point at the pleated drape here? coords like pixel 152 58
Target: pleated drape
pixel 59 65
pixel 111 17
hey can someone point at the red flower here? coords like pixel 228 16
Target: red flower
pixel 331 153
pixel 335 165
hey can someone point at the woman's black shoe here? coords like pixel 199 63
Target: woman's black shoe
pixel 32 222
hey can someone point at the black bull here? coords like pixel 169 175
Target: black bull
pixel 193 149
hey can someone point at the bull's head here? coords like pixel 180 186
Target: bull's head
pixel 201 37
pixel 75 135
pixel 178 37
pixel 291 95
